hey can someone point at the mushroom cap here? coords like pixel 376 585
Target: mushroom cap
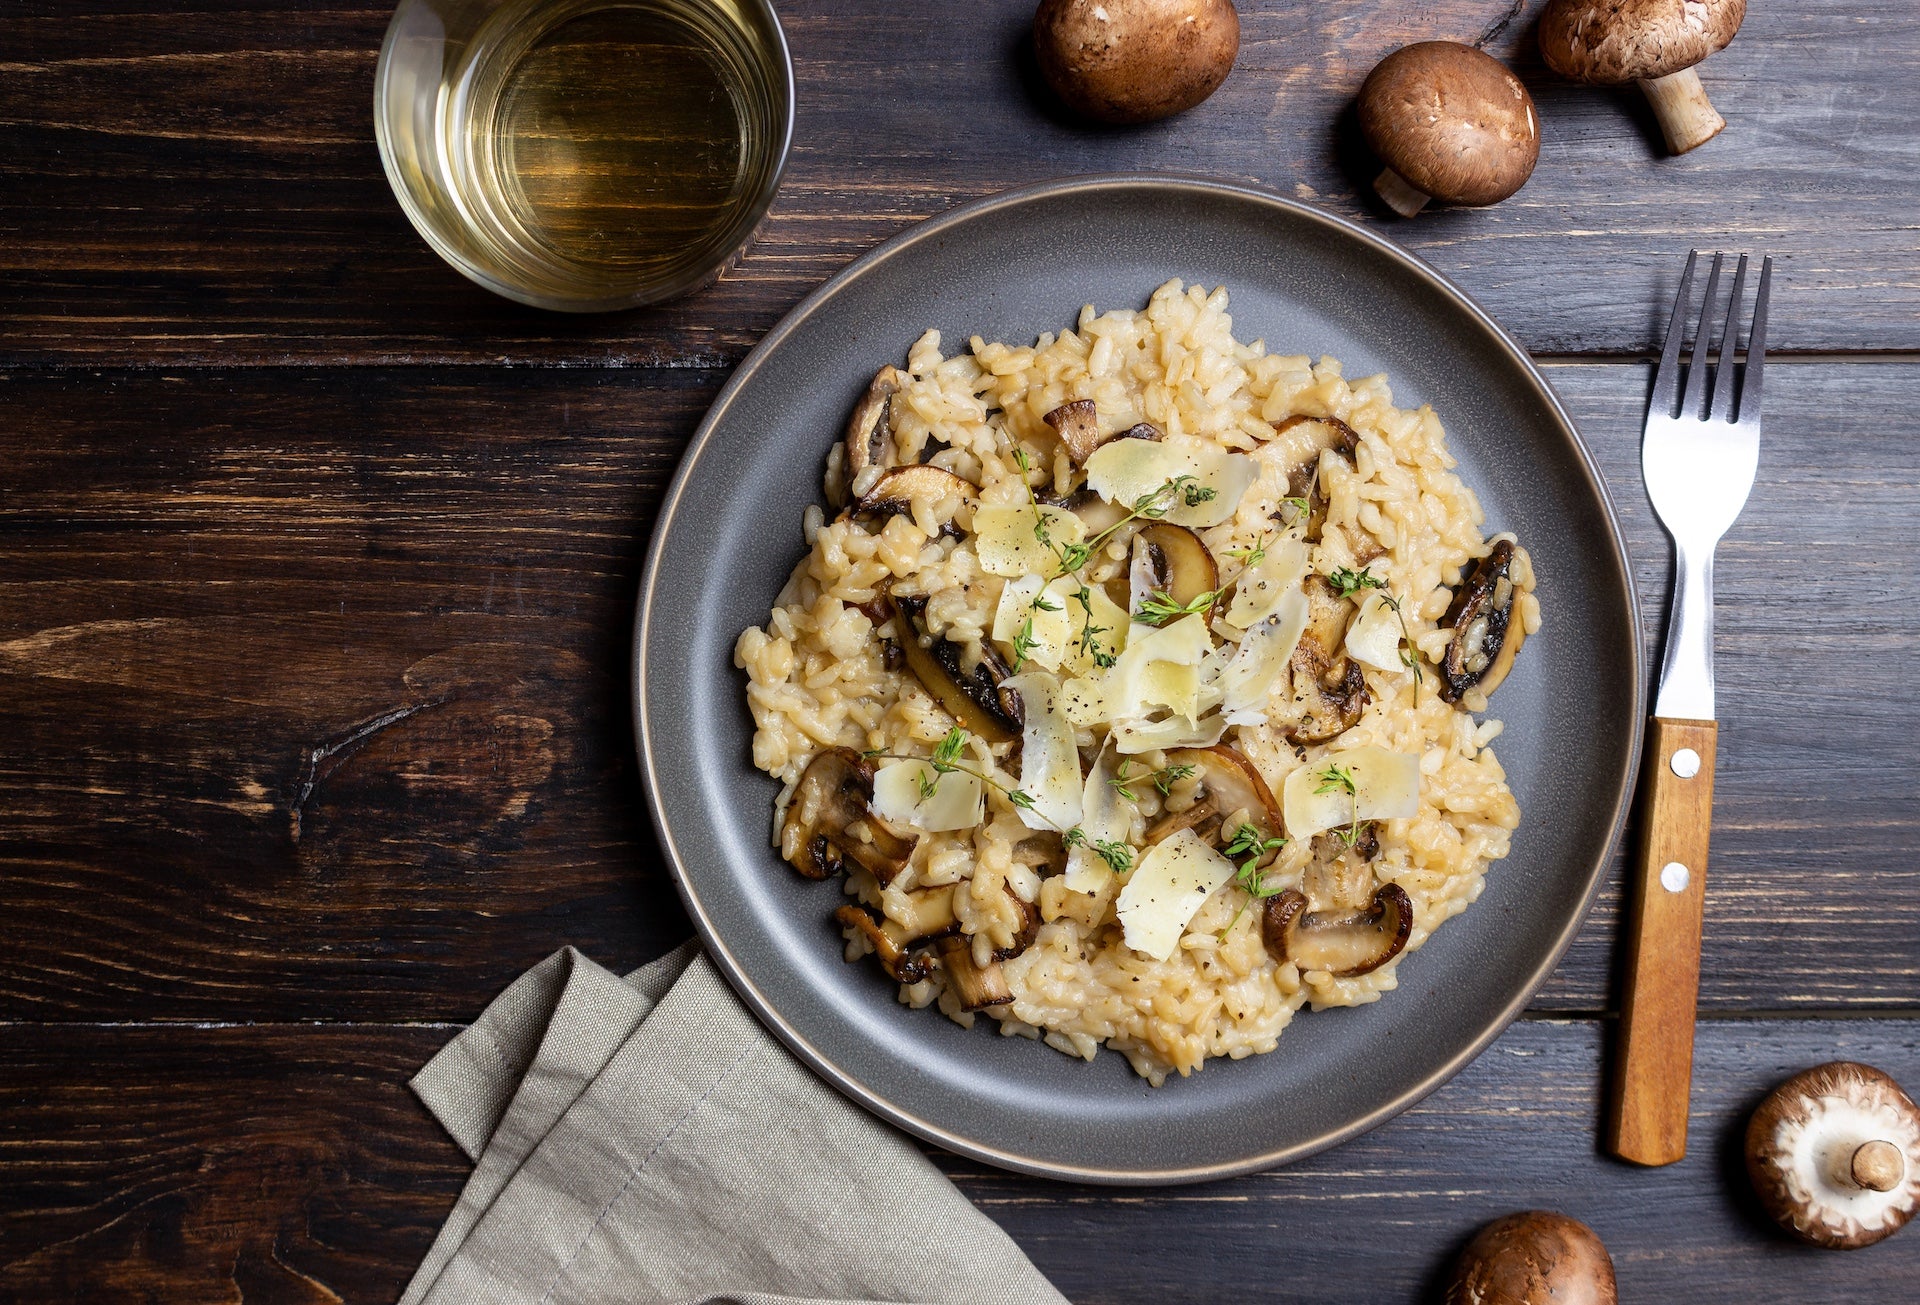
pixel 1804 1155
pixel 1128 61
pixel 1453 121
pixel 1609 42
pixel 1531 1257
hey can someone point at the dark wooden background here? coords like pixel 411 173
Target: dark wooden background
pixel 317 565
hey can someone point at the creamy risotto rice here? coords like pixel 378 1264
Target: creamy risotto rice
pixel 1129 685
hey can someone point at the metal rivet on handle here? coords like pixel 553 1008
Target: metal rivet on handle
pixel 1686 764
pixel 1673 877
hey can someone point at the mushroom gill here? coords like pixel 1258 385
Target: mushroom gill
pixel 1486 636
pixel 1344 944
pixel 975 696
pixel 1329 690
pixel 829 821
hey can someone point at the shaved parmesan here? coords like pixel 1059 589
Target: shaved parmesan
pixel 1172 883
pixel 1125 471
pixel 1136 736
pixel 1006 541
pixel 1108 622
pixel 1374 636
pixel 1049 757
pixel 1102 819
pixel 1386 787
pixel 897 797
pixel 1053 628
pixel 1264 655
pixel 1263 585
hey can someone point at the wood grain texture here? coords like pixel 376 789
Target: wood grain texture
pixel 313 693
pixel 291 1164
pixel 1653 1063
pixel 202 186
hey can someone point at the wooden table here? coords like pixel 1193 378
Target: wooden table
pixel 317 565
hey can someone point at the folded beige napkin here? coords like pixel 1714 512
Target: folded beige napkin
pixel 645 1139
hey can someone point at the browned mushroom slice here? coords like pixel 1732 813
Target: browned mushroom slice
pixel 1485 635
pixel 977 698
pixel 1043 852
pixel 1320 434
pixel 1230 794
pixel 1343 944
pixel 1180 565
pixel 1329 688
pixel 932 915
pixel 1340 872
pixel 1078 426
pixel 871 425
pixel 829 822
pixel 901 964
pixel 1024 936
pixel 977 987
pixel 900 490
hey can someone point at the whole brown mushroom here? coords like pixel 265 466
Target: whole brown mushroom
pixel 1128 61
pixel 1450 123
pixel 1653 42
pixel 1834 1154
pixel 1535 1257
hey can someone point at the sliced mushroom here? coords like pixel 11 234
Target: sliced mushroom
pixel 1329 688
pixel 977 698
pixel 1486 636
pixel 871 425
pixel 932 916
pixel 1319 435
pixel 902 490
pixel 901 964
pixel 1078 426
pixel 1343 944
pixel 977 987
pixel 1230 794
pixel 1179 565
pixel 1340 873
pixel 1024 936
pixel 1042 852
pixel 829 821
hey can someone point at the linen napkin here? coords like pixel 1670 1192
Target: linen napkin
pixel 646 1140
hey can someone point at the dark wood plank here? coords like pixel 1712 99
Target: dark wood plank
pixel 278 1163
pixel 313 689
pixel 203 187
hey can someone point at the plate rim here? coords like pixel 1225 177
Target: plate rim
pixel 932 228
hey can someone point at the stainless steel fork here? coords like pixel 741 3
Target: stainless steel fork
pixel 1699 464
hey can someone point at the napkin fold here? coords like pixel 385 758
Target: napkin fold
pixel 644 1139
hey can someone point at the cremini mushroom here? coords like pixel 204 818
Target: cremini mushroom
pixel 1127 61
pixel 1485 634
pixel 1309 438
pixel 829 821
pixel 1078 426
pixel 871 427
pixel 1329 690
pixel 902 963
pixel 1173 564
pixel 1834 1153
pixel 977 986
pixel 1342 943
pixel 1042 851
pixel 1228 793
pixel 1653 42
pixel 924 493
pixel 1341 871
pixel 1532 1258
pixel 1450 123
pixel 974 696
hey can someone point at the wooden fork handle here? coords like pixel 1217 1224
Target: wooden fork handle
pixel 1667 890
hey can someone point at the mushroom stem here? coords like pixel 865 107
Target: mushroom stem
pixel 1399 194
pixel 1878 1166
pixel 1687 118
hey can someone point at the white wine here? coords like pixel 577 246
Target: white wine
pixel 590 152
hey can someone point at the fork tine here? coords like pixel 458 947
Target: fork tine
pixel 1756 348
pixel 1697 358
pixel 1666 377
pixel 1722 403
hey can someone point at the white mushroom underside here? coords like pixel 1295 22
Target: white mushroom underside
pixel 1815 1156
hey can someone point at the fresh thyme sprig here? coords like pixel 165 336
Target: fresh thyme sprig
pixel 1023 641
pixel 1339 779
pixel 1122 782
pixel 1349 582
pixel 1304 510
pixel 1115 853
pixel 1157 608
pixel 1248 842
pixel 944 762
pixel 1409 655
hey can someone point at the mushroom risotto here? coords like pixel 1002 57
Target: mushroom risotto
pixel 1128 684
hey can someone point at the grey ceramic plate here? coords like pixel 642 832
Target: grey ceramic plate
pixel 1008 268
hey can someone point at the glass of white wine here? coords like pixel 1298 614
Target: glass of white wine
pixel 585 155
